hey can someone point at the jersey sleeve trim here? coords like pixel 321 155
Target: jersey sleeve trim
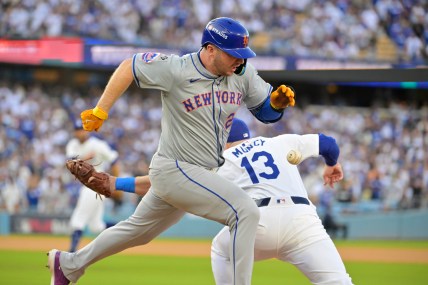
pixel 133 71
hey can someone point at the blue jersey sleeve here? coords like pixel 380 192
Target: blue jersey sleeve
pixel 328 149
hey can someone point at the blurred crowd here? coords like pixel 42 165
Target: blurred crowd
pixel 343 29
pixel 382 148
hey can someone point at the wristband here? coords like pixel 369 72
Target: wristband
pixel 100 113
pixel 126 184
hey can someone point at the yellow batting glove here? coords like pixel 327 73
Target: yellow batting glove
pixel 93 119
pixel 282 98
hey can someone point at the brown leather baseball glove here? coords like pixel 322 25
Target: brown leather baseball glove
pixel 85 172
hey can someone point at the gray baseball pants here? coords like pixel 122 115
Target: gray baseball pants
pixel 178 187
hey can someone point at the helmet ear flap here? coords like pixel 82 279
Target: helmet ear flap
pixel 241 69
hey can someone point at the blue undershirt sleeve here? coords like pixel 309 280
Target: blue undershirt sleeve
pixel 265 113
pixel 328 149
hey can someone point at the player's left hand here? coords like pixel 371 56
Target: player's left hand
pixel 85 172
pixel 282 98
pixel 332 174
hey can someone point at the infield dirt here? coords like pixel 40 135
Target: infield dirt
pixel 202 249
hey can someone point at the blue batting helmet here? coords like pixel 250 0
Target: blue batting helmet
pixel 228 35
pixel 238 131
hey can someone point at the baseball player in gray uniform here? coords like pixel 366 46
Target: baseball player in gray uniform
pixel 289 228
pixel 201 92
pixel 89 210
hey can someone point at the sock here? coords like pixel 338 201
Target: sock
pixel 110 224
pixel 75 239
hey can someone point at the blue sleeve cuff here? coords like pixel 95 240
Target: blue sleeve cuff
pixel 265 113
pixel 328 149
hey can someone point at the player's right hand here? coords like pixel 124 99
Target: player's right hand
pixel 93 119
pixel 282 97
pixel 332 174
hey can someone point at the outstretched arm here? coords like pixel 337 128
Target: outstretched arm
pixel 329 149
pixel 272 109
pixel 104 183
pixel 117 85
pixel 139 185
pixel 92 119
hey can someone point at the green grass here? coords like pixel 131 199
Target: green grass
pixel 21 268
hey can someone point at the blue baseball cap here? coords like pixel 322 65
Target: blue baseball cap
pixel 238 131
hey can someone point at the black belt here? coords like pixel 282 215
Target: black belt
pixel 296 200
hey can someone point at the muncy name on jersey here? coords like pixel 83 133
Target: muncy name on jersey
pixel 247 147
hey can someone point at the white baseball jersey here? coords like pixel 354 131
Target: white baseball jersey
pixel 89 211
pixel 287 230
pixel 103 155
pixel 260 167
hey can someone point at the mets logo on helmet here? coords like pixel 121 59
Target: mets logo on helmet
pixel 245 41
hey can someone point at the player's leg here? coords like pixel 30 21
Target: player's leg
pixel 76 236
pixel 81 215
pixel 265 246
pixel 206 194
pixel 309 247
pixel 96 223
pixel 321 263
pixel 220 258
pixel 151 217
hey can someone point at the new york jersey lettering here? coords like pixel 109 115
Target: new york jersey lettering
pixel 204 99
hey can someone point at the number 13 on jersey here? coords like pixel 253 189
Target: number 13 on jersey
pixel 271 171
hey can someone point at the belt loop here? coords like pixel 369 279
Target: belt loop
pixel 262 202
pixel 299 200
pixel 286 200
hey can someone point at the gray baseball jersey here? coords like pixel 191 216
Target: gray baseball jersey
pixel 198 107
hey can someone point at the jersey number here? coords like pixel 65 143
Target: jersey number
pixel 269 163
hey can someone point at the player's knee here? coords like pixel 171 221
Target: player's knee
pixel 244 212
pixel 255 213
pixel 249 214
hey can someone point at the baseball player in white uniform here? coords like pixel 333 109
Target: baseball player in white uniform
pixel 289 228
pixel 201 92
pixel 89 211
